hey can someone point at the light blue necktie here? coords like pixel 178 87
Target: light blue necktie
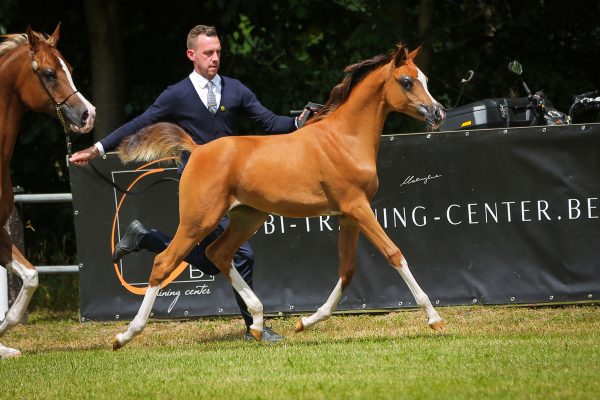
pixel 211 99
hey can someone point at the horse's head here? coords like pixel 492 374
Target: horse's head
pixel 406 89
pixel 48 85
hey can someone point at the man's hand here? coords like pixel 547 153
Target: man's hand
pixel 83 157
pixel 301 119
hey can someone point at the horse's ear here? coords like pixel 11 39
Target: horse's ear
pixel 53 39
pixel 400 56
pixel 414 54
pixel 32 37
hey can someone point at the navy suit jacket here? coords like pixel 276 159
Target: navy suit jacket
pixel 181 105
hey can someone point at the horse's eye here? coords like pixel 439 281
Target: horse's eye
pixel 49 74
pixel 406 82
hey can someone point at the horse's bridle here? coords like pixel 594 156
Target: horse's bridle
pixel 57 105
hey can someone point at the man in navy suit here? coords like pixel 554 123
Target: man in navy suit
pixel 206 105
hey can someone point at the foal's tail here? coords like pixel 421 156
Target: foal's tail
pixel 155 141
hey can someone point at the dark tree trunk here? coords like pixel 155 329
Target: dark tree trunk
pixel 108 82
pixel 425 18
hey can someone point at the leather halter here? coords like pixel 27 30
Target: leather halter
pixel 57 105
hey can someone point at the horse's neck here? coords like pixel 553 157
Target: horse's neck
pixel 12 108
pixel 9 128
pixel 363 115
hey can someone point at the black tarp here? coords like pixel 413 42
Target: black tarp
pixel 485 217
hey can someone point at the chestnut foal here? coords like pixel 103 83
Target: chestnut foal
pixel 326 168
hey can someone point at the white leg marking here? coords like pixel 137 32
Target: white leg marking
pixel 139 322
pixel 254 305
pixel 419 295
pixel 89 123
pixel 7 352
pixel 325 311
pixel 30 283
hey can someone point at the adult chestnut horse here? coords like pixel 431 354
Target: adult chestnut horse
pixel 34 76
pixel 326 168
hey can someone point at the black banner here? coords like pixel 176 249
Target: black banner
pixel 482 217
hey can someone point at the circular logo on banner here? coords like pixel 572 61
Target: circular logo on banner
pixel 178 270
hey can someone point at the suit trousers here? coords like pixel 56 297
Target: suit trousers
pixel 156 241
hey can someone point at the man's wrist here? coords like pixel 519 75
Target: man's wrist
pixel 98 149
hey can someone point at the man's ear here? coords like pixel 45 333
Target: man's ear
pixel 190 54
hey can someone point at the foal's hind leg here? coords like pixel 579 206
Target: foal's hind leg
pixel 244 221
pixel 164 263
pixel 367 223
pixel 347 239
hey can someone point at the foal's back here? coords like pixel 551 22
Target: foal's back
pixel 270 173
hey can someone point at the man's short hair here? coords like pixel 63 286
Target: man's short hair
pixel 198 30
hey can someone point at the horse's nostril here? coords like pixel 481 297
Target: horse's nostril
pixel 84 117
pixel 438 113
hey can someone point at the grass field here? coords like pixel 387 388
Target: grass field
pixel 484 353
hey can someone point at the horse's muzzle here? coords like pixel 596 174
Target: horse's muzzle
pixel 434 114
pixel 77 117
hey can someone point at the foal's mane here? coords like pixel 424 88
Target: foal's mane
pixel 354 74
pixel 14 40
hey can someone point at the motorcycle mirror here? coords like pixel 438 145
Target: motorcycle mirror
pixel 468 77
pixel 463 83
pixel 516 67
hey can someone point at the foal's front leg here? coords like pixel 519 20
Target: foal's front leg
pixel 29 275
pixel 7 352
pixel 347 240
pixel 374 232
pixel 18 265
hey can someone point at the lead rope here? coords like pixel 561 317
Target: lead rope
pixel 130 192
pixel 67 131
pixel 63 122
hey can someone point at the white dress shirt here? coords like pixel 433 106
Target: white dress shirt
pixel 201 85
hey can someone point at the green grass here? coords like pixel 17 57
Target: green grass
pixel 484 352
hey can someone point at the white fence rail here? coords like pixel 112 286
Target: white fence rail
pixel 42 269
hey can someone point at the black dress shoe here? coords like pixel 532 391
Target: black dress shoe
pixel 130 243
pixel 268 335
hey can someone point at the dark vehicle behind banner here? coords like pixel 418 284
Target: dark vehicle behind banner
pixel 531 110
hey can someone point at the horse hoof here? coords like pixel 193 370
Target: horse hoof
pixel 299 326
pixel 437 326
pixel 256 334
pixel 116 345
pixel 7 352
